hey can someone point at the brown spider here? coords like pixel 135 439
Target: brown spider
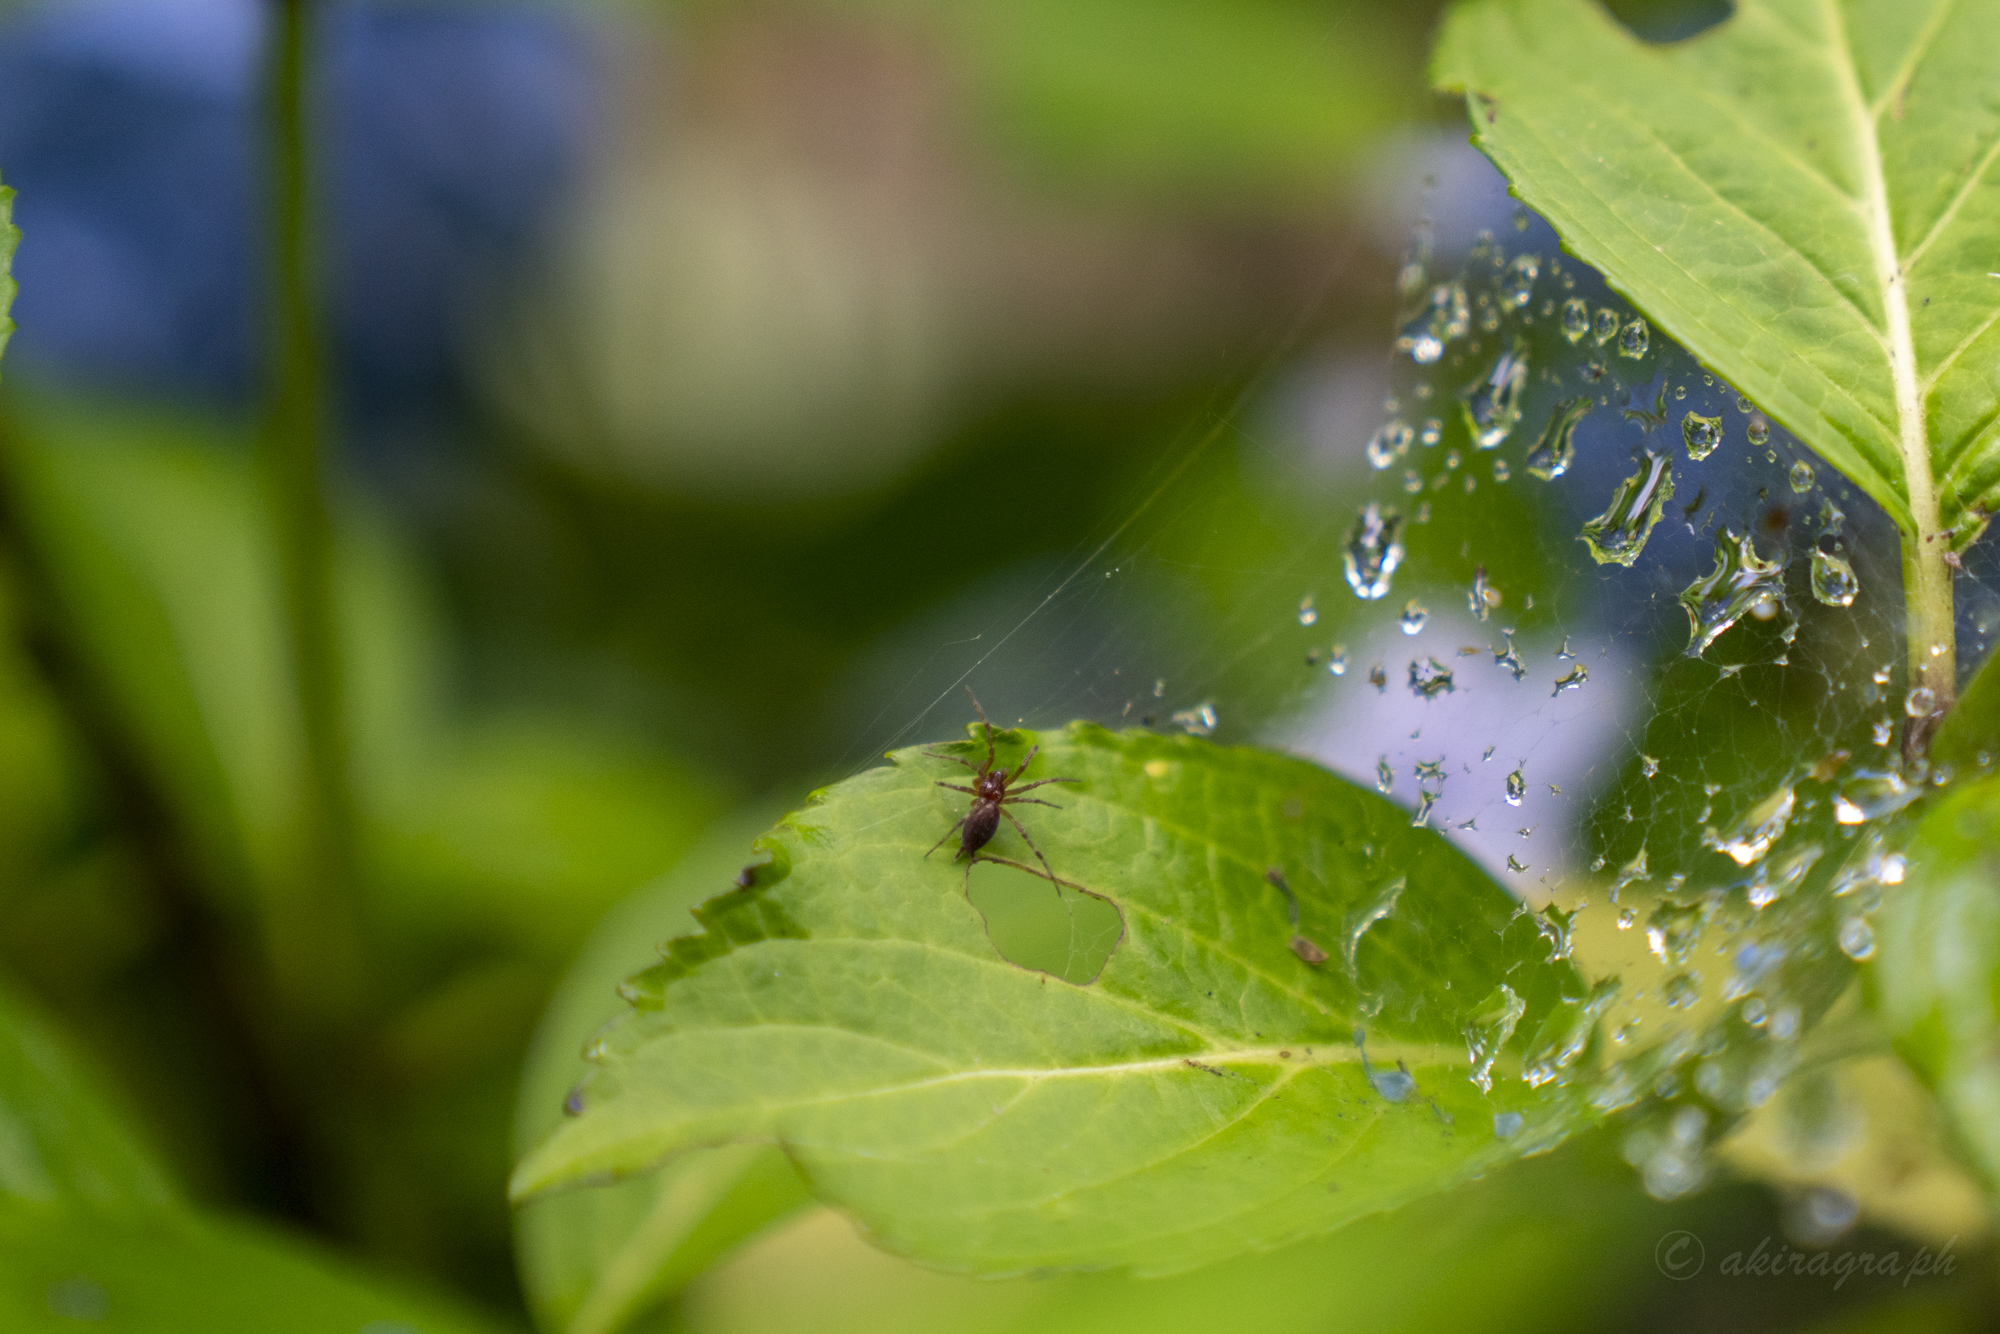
pixel 991 795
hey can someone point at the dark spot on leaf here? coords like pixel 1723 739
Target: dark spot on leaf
pixel 573 1104
pixel 1308 951
pixel 1277 878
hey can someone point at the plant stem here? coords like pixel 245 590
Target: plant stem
pixel 1927 612
pixel 312 935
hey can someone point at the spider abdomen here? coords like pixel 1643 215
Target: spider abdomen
pixel 980 824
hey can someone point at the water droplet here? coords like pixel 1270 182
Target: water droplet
pixel 1681 990
pixel 1563 1036
pixel 1618 535
pixel 1415 614
pixel 1630 874
pixel 1510 658
pixel 1879 731
pixel 1517 788
pixel 1422 817
pixel 1604 327
pixel 1307 613
pixel 1385 777
pixel 1389 443
pixel 1446 317
pixel 1627 916
pixel 1336 661
pixel 1430 679
pixel 1571 679
pixel 1648 765
pixel 1701 435
pixel 1493 1023
pixel 1492 404
pixel 1758 430
pixel 1833 579
pixel 1921 702
pixel 1483 597
pixel 1378 678
pixel 1515 863
pixel 1674 929
pixel 1870 795
pixel 1740 582
pixel 1633 339
pixel 1517 287
pixel 1575 320
pixel 1759 828
pixel 1775 879
pixel 1198 721
pixel 1857 939
pixel 1556 450
pixel 1802 477
pixel 1501 472
pixel 1362 918
pixel 1374 550
pixel 1506 1125
pixel 1432 432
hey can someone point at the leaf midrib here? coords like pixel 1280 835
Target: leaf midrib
pixel 1912 439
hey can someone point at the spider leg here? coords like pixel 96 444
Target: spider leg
pixel 955 759
pixel 1040 782
pixel 947 834
pixel 1031 846
pixel 1022 767
pixel 959 787
pixel 1028 801
pixel 989 728
pixel 1059 882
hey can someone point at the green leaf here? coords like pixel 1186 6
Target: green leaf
pixel 61 1139
pixel 1481 1258
pixel 63 1269
pixel 1938 970
pixel 1973 725
pixel 1210 1091
pixel 1803 196
pixel 597 1260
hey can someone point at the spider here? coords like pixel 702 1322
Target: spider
pixel 991 795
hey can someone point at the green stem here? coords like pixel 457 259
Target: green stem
pixel 1927 611
pixel 312 936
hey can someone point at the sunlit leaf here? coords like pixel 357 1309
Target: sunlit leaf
pixel 1938 971
pixel 1803 196
pixel 991 1092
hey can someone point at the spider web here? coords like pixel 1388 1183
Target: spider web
pixel 1700 803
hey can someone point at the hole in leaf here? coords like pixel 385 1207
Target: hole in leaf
pixel 1059 930
pixel 1663 21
